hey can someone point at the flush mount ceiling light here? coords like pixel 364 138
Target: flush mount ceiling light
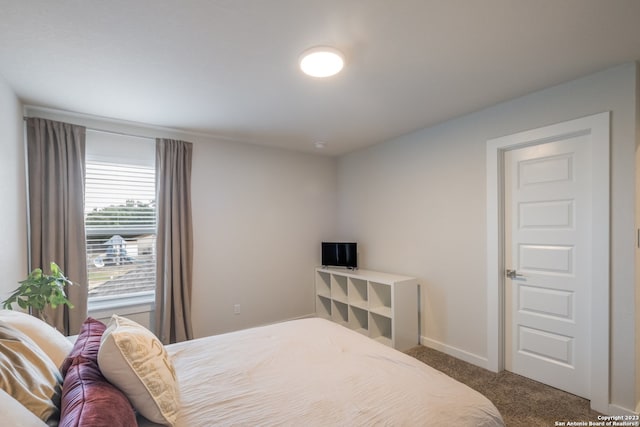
pixel 321 61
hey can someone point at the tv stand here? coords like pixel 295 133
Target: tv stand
pixel 326 267
pixel 384 307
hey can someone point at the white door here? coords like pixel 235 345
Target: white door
pixel 548 217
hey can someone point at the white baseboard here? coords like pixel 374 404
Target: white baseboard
pixel 474 359
pixel 619 410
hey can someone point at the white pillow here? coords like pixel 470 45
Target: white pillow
pixel 18 414
pixel 28 375
pixel 135 361
pixel 50 340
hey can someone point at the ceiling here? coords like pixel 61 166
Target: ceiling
pixel 228 68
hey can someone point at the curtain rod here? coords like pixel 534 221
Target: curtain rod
pixel 112 132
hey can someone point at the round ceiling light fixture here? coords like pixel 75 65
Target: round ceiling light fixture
pixel 321 61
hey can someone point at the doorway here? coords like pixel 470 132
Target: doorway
pixel 549 320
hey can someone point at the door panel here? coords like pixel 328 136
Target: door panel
pixel 557 214
pixel 544 170
pixel 545 345
pixel 545 259
pixel 548 218
pixel 546 302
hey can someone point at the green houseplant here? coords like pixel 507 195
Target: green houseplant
pixel 39 290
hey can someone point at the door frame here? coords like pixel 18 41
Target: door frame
pixel 597 126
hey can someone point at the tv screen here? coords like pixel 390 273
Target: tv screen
pixel 340 254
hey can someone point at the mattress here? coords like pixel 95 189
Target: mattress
pixel 314 372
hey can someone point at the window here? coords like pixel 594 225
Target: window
pixel 120 217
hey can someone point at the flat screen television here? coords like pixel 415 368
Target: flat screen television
pixel 340 254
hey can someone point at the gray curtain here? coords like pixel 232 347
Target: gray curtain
pixel 56 163
pixel 174 245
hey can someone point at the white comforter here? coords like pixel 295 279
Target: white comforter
pixel 312 372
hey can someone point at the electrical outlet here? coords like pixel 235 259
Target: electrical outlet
pixel 236 309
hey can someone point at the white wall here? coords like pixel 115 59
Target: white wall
pixel 13 251
pixel 417 206
pixel 259 217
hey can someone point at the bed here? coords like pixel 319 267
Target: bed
pixel 314 372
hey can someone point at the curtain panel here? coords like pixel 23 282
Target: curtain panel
pixel 56 172
pixel 174 241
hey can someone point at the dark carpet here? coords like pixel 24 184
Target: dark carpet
pixel 521 401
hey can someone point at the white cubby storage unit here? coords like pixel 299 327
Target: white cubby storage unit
pixel 382 306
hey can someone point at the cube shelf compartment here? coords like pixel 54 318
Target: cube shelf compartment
pixel 380 299
pixel 384 307
pixel 358 295
pixel 323 307
pixel 323 284
pixel 358 320
pixel 339 312
pixel 339 288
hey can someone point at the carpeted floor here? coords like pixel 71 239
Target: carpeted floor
pixel 521 401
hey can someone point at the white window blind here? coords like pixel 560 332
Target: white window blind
pixel 120 217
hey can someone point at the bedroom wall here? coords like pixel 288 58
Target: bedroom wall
pixel 13 251
pixel 417 206
pixel 259 217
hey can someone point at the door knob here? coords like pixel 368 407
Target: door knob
pixel 513 275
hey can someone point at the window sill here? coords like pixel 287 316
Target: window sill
pixel 144 301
